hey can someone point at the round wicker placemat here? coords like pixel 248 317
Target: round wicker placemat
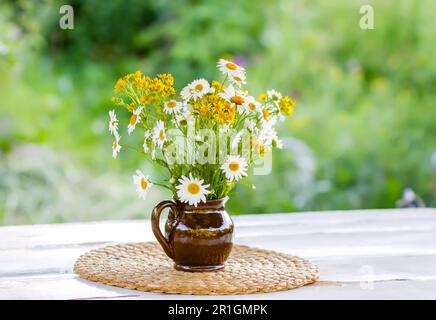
pixel 144 266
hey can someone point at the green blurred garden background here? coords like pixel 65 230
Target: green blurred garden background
pixel 364 129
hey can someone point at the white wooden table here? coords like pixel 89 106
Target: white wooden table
pixel 370 254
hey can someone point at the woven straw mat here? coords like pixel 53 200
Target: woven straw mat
pixel 145 267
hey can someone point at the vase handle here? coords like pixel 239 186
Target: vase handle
pixel 155 216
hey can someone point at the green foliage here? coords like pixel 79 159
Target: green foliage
pixel 366 100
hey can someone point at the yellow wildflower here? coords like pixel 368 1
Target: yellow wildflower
pixel 117 100
pixel 137 75
pixel 143 99
pixel 217 85
pixel 287 105
pixel 263 96
pixel 225 113
pixel 262 150
pixel 167 79
pixel 121 83
pixel 265 114
pixel 204 109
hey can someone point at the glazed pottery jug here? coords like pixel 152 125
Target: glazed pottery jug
pixel 196 238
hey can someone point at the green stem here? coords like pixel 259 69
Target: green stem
pixel 162 185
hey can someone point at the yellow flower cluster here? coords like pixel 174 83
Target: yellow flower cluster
pixel 213 107
pixel 287 105
pixel 225 113
pixel 143 90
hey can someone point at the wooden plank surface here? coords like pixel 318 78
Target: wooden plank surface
pixel 364 254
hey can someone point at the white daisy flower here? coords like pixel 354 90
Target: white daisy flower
pixel 159 135
pixel 251 105
pixel 186 92
pixel 187 107
pixel 134 119
pixel 234 95
pixel 250 124
pixel 262 143
pixel 274 95
pixel 184 118
pixel 230 68
pixel 265 115
pixel 116 147
pixel 147 135
pixel 172 106
pixel 142 184
pixel 113 123
pixel 234 168
pixel 266 139
pixel 237 79
pixel 196 89
pixel 191 190
pixel 268 134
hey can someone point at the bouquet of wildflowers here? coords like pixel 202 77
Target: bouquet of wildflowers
pixel 206 137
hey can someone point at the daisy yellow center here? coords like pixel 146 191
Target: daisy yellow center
pixel 265 113
pixel 233 166
pixel 262 150
pixel 115 144
pixel 133 119
pixel 193 188
pixel 237 100
pixel 237 79
pixel 252 106
pixel 231 66
pixel 199 87
pixel 161 135
pixel 171 104
pixel 144 184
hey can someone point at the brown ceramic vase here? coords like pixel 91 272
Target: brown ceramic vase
pixel 196 238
